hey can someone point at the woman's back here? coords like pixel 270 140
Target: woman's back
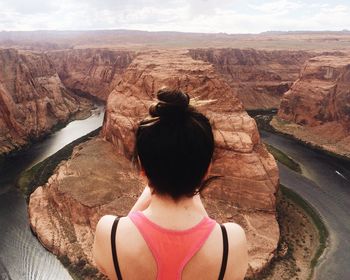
pixel 144 253
pixel 172 249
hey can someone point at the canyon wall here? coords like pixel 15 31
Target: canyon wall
pixel 317 107
pixel 91 71
pixel 99 178
pixel 32 98
pixel 259 77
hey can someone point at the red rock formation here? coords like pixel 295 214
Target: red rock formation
pixel 32 98
pixel 259 77
pixel 91 71
pixel 235 130
pixel 64 212
pixel 317 107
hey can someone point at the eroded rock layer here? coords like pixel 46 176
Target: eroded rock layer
pixel 245 193
pixel 64 213
pixel 259 77
pixel 91 71
pixel 317 107
pixel 32 98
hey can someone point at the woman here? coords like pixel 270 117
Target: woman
pixel 168 234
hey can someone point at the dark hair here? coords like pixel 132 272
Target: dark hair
pixel 175 145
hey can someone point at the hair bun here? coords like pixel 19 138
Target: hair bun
pixel 172 103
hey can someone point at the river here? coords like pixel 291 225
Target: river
pixel 22 257
pixel 325 184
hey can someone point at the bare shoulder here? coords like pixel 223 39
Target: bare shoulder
pixel 104 223
pixel 238 252
pixel 104 229
pixel 235 233
pixel 102 251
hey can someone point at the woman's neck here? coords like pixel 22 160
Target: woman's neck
pixel 165 207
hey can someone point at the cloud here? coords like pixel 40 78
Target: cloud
pixel 21 7
pixel 337 16
pixel 230 16
pixel 280 7
pixel 205 7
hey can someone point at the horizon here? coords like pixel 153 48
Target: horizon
pixel 193 16
pixel 276 32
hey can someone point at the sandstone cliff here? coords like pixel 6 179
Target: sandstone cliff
pixel 91 71
pixel 32 98
pixel 317 107
pixel 98 179
pixel 259 77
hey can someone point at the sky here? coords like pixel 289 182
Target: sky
pixel 211 16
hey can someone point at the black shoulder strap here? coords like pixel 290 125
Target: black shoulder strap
pixel 225 252
pixel 114 248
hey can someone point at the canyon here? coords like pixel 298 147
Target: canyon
pixel 92 72
pixel 316 109
pixel 64 212
pixel 259 77
pixel 33 99
pixel 44 87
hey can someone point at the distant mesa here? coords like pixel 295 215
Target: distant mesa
pixel 309 32
pixel 44 40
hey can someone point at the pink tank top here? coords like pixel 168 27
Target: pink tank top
pixel 172 249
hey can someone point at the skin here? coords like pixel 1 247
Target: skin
pixel 137 262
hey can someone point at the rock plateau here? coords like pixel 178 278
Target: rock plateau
pixel 99 179
pixel 316 109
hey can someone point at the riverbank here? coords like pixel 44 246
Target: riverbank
pixel 283 158
pixel 84 111
pixel 312 141
pixel 268 121
pixel 41 172
pixel 303 239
